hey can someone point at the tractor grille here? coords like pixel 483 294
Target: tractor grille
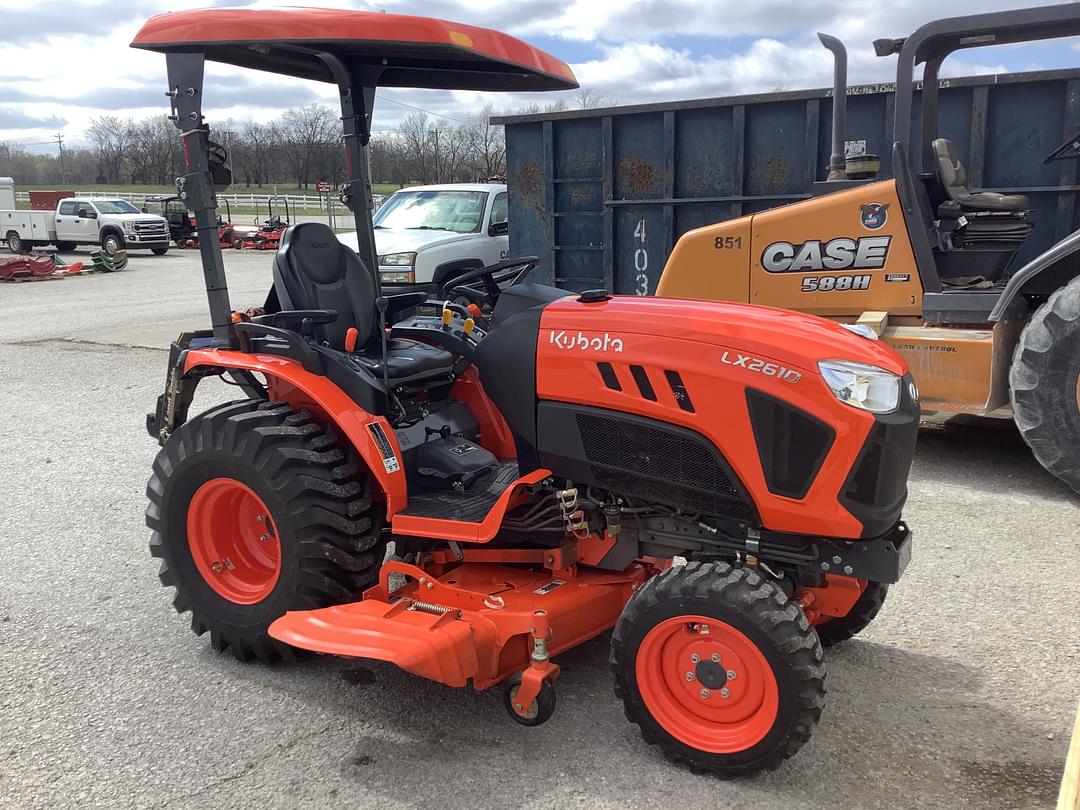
pixel 670 466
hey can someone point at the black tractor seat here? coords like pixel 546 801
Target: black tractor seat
pixel 314 271
pixel 953 179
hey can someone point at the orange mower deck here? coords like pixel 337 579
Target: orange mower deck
pixel 474 622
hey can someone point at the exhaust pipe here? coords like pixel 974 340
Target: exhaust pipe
pixel 837 164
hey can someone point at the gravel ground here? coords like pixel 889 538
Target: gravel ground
pixel 962 692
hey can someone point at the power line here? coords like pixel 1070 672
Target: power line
pixel 421 109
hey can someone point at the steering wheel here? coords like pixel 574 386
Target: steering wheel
pixel 492 280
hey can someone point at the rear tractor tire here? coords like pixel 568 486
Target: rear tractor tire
pixel 1044 382
pixel 718 668
pixel 257 510
pixel 865 609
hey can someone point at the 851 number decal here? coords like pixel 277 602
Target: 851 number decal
pixel 831 283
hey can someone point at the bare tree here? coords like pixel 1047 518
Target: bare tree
pixel 487 145
pixel 307 131
pixel 112 138
pixel 416 132
pixel 152 153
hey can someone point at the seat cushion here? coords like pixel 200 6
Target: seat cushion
pixel 408 360
pixel 992 201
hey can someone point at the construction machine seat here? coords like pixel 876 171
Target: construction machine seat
pixel 313 270
pixel 954 180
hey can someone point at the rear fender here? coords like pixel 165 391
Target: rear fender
pixel 1063 254
pixel 288 381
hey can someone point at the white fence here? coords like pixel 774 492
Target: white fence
pixel 297 202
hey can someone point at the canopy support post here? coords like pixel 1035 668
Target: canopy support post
pixel 196 186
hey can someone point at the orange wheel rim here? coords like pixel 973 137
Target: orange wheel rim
pixel 233 541
pixel 707 684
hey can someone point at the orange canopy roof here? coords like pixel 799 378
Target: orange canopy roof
pixel 408 51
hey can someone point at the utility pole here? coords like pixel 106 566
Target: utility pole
pixel 59 138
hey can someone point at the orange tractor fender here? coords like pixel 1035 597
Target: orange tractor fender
pixel 288 381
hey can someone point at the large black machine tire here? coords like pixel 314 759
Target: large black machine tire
pixel 256 510
pixel 866 607
pixel 718 668
pixel 1045 384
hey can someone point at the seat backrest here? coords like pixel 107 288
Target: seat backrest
pixel 951 170
pixel 313 270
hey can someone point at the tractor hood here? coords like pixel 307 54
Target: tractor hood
pixel 406 240
pixel 790 339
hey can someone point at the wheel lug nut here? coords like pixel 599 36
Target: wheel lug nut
pixel 694 658
pixel 716 658
pixel 689 676
pixel 731 674
pixel 216 566
pixel 260 518
pixel 725 693
pixel 264 537
pixel 704 694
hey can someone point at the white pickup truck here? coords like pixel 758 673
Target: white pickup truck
pixel 426 235
pixel 113 224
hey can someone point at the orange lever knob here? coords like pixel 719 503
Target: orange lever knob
pixel 351 334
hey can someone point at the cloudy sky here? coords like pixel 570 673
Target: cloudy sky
pixel 64 61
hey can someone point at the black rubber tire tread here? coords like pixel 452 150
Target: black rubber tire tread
pixel 159 251
pixel 761 610
pixel 545 702
pixel 864 610
pixel 318 494
pixel 65 247
pixel 1042 383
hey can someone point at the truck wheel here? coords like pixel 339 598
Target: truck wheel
pixel 111 243
pixel 1044 383
pixel 257 510
pixel 159 251
pixel 866 607
pixel 65 247
pixel 718 668
pixel 14 242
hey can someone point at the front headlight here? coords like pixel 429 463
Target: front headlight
pixel 129 227
pixel 397 276
pixel 862 386
pixel 398 260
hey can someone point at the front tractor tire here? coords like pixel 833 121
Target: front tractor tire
pixel 1044 382
pixel 257 510
pixel 718 668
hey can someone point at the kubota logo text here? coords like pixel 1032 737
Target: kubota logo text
pixel 562 340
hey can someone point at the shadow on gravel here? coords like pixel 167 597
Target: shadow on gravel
pixel 897 723
pixel 984 454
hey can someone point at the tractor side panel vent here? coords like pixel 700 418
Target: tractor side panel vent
pixel 791 444
pixel 641 377
pixel 608 375
pixel 642 458
pixel 678 390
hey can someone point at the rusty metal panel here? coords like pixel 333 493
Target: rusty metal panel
pixel 604 198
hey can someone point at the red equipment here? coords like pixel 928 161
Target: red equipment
pixel 721 484
pixel 268 237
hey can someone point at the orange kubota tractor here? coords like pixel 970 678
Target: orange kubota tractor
pixel 722 484
pixel 923 259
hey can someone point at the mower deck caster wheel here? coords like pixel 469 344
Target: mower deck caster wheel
pixel 539 711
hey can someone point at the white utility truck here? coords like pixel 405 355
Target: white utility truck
pixel 427 235
pixel 112 224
